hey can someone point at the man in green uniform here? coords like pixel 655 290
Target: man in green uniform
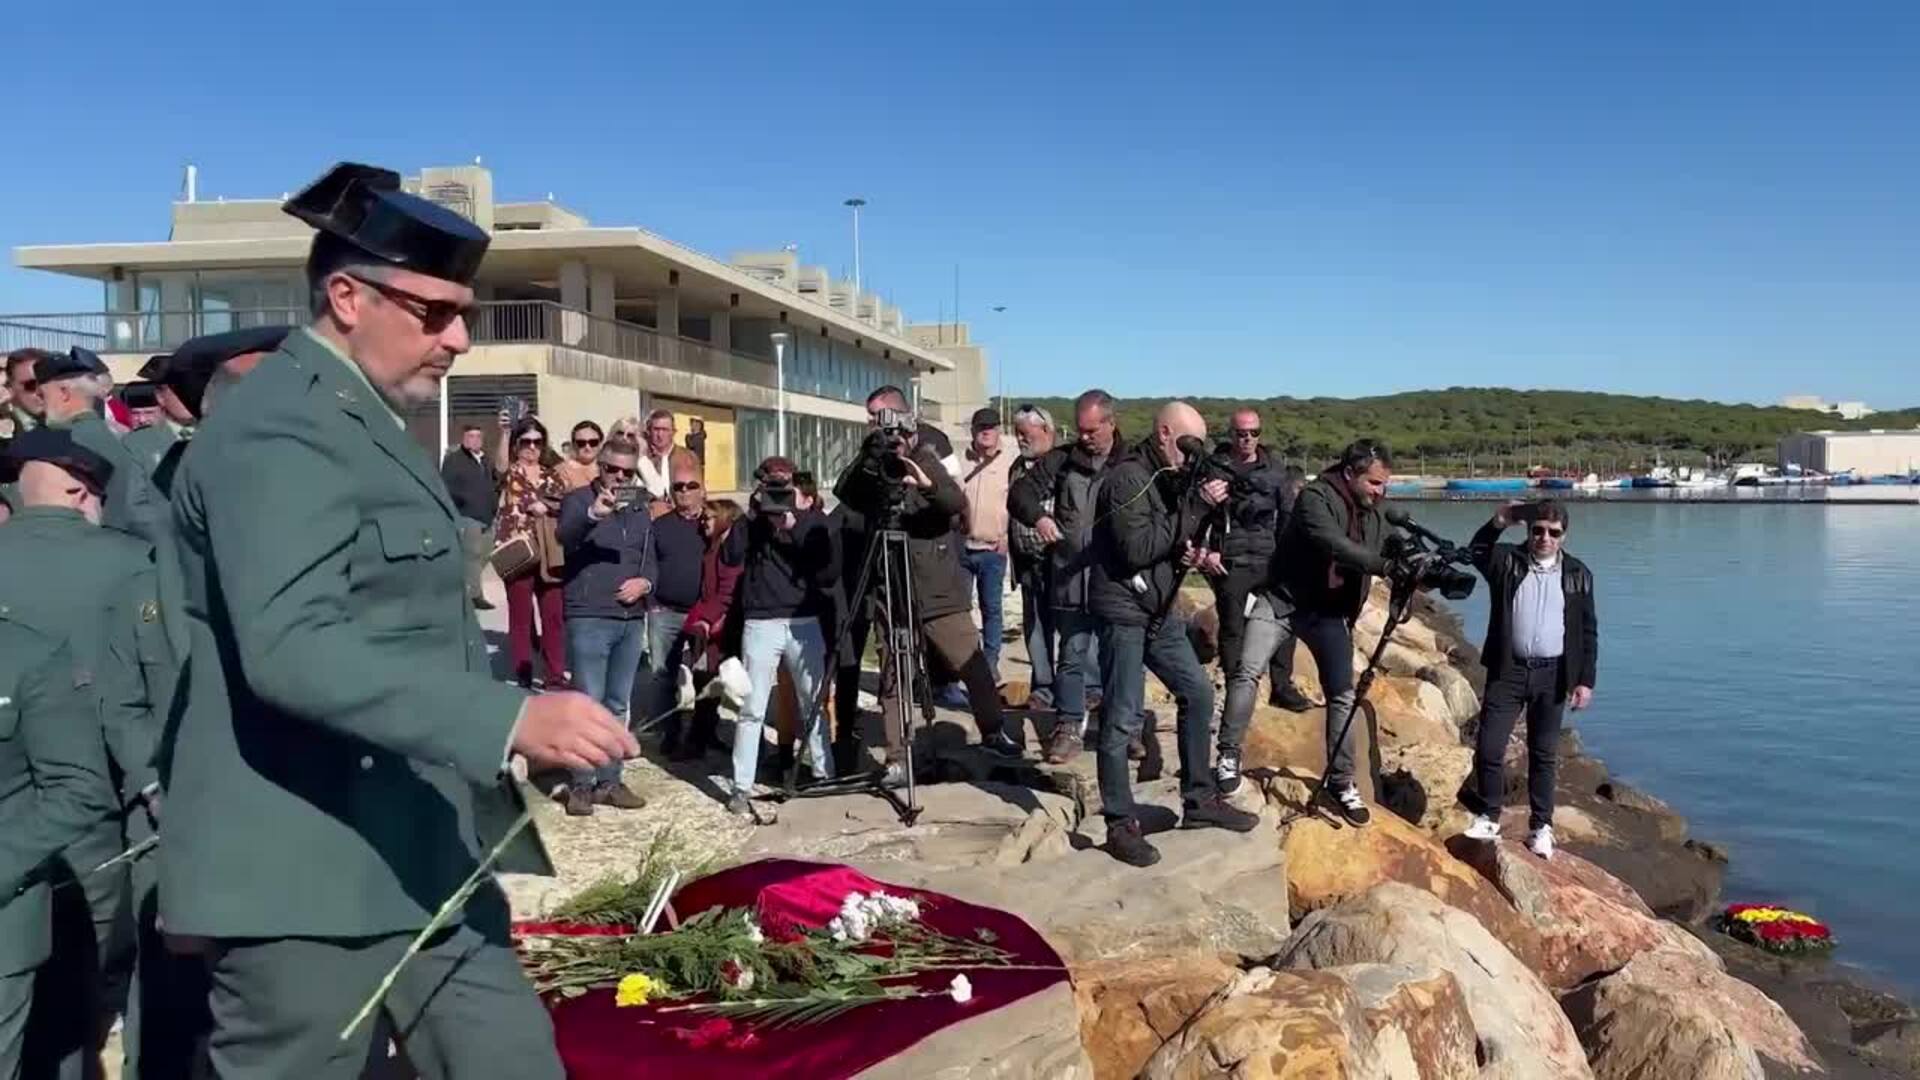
pixel 181 380
pixel 76 384
pixel 341 719
pixel 149 444
pixel 52 788
pixel 97 590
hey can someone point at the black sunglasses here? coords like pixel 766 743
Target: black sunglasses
pixel 686 485
pixel 531 440
pixel 28 386
pixel 616 470
pixel 589 443
pixel 434 315
pixel 1246 432
pixel 1547 530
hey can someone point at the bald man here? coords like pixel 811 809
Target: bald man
pixel 1148 513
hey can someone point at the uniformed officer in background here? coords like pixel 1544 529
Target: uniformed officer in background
pixel 182 379
pixel 76 384
pixel 341 719
pixel 56 795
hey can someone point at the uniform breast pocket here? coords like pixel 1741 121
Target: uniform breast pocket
pixel 409 585
pixel 407 534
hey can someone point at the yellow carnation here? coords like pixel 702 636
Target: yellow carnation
pixel 635 989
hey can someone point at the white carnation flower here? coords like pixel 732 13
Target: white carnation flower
pixel 960 990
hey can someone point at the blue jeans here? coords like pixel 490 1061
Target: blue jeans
pixel 1129 652
pixel 1037 626
pixel 989 570
pixel 605 655
pixel 663 660
pixel 765 645
pixel 1078 666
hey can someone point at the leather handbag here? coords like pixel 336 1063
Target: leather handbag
pixel 553 557
pixel 514 558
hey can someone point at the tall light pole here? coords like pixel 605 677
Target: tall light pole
pixel 856 203
pixel 780 340
pixel 1000 368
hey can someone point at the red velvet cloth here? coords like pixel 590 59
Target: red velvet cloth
pixel 600 1041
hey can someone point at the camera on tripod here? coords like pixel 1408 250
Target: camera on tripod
pixel 1422 559
pixel 774 496
pixel 888 444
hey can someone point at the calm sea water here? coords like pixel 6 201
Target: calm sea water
pixel 1758 672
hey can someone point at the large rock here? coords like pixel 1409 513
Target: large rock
pixel 1034 1038
pixel 1463 705
pixel 1670 826
pixel 960 825
pixel 1341 1024
pixel 1523 1033
pixel 1669 1014
pixel 1411 712
pixel 1296 742
pixel 1588 922
pixel 1129 1007
pixel 1327 865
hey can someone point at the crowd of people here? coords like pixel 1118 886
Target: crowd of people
pixel 250 726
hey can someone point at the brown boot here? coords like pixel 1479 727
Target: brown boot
pixel 1064 746
pixel 618 795
pixel 579 802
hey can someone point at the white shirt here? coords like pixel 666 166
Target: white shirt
pixel 656 473
pixel 1539 613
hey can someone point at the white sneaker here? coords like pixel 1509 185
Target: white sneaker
pixel 1483 828
pixel 1540 841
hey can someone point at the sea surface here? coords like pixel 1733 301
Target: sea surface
pixel 1760 672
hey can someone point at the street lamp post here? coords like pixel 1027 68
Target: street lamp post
pixel 856 203
pixel 780 340
pixel 1000 368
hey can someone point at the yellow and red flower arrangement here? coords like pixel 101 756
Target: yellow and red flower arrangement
pixel 1775 929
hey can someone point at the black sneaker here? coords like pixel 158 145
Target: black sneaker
pixel 1001 745
pixel 1124 842
pixel 1215 812
pixel 1347 803
pixel 1290 698
pixel 1226 775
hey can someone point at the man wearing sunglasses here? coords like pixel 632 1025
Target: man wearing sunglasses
pixel 1543 642
pixel 330 778
pixel 26 406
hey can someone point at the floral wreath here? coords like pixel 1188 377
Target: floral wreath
pixel 1775 929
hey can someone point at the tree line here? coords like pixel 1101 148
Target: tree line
pixel 1489 430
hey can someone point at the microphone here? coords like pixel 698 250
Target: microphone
pixel 1192 447
pixel 1400 519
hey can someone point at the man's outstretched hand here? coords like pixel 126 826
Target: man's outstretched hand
pixel 571 730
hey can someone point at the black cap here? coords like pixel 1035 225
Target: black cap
pixel 154 370
pixel 68 365
pixel 985 418
pixel 363 207
pixel 56 446
pixel 191 367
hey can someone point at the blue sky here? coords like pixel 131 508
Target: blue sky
pixel 1715 199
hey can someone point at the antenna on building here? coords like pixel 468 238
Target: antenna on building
pixel 191 183
pixel 476 159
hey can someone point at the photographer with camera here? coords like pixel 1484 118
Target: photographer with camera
pixel 1331 546
pixel 898 482
pixel 1543 643
pixel 609 574
pixel 1149 510
pixel 786 555
pixel 1056 496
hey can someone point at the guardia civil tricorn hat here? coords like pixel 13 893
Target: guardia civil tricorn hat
pixel 363 207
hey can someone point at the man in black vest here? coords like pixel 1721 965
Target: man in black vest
pixel 1542 645
pixel 475 486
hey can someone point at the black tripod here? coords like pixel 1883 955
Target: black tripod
pixel 896 615
pixel 1399 606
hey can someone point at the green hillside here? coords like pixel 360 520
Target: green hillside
pixel 1487 431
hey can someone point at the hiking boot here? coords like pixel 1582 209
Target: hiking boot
pixel 1483 828
pixel 1290 698
pixel 1226 775
pixel 618 795
pixel 1215 812
pixel 1001 745
pixel 1064 746
pixel 738 806
pixel 895 776
pixel 1347 803
pixel 1540 841
pixel 1125 842
pixel 579 802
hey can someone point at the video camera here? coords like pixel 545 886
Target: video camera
pixel 888 444
pixel 1423 559
pixel 775 495
pixel 1204 463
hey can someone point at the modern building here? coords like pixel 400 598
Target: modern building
pixel 1865 453
pixel 583 322
pixel 1845 410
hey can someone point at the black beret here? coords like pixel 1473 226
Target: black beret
pixel 56 446
pixel 192 365
pixel 70 364
pixel 363 207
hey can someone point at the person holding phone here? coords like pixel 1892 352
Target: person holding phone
pixel 610 572
pixel 1543 643
pixel 530 495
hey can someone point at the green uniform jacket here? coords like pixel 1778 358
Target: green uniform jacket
pixel 52 779
pixel 149 444
pixel 133 504
pixel 339 708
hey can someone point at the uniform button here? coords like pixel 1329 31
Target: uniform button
pixel 366 762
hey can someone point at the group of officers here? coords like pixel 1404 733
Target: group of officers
pixel 248 724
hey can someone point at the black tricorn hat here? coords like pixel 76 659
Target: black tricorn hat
pixel 154 370
pixel 76 361
pixel 363 206
pixel 192 365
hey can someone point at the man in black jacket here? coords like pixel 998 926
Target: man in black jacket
pixel 475 486
pixel 1319 582
pixel 1148 513
pixel 1543 644
pixel 929 501
pixel 1056 497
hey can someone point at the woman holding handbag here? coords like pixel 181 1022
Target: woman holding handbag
pixel 528 553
